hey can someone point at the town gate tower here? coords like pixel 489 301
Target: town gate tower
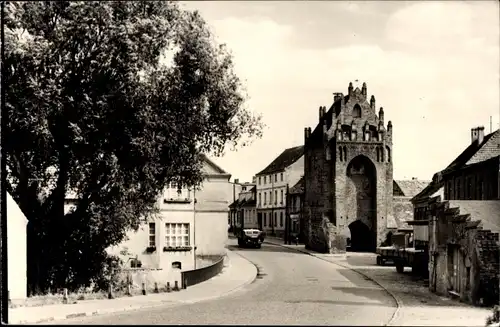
pixel 348 175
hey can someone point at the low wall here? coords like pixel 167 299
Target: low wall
pixel 196 276
pixel 150 276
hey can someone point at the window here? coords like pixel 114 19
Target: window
pixel 276 197
pixel 275 177
pixel 259 180
pixel 480 190
pixel 265 179
pixel 265 219
pixel 152 234
pixel 469 188
pixel 265 198
pixel 282 177
pixel 457 189
pixel 260 199
pixel 281 196
pixel 356 111
pixel 275 219
pixel 281 219
pixel 176 234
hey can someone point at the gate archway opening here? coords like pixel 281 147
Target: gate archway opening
pixel 361 205
pixel 361 237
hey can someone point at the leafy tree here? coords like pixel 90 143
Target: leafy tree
pixel 112 100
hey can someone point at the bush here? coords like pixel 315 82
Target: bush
pixel 110 274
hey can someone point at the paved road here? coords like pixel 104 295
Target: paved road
pixel 291 288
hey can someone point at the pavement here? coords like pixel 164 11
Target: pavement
pixel 236 274
pixel 416 304
pixel 291 288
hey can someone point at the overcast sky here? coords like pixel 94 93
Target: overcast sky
pixel 433 66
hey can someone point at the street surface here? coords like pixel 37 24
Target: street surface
pixel 291 288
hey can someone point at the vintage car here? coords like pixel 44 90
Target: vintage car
pixel 250 237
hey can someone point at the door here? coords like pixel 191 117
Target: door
pixel 259 220
pixel 455 269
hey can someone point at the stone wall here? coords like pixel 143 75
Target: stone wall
pixel 476 251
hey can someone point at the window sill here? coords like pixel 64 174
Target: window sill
pixel 177 200
pixel 178 249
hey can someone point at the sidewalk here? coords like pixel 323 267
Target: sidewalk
pixel 237 273
pixel 416 304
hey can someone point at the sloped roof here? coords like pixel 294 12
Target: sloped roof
pixel 285 159
pixel 249 203
pixel 214 165
pixel 409 188
pixel 234 204
pixel 484 210
pixel 483 151
pixel 469 152
pixel 298 188
pixel 488 150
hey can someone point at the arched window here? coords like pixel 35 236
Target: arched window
pixel 378 154
pixel 356 111
pixel 388 154
pixel 340 153
pixel 382 154
pixel 345 153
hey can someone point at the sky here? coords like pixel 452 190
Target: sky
pixel 433 66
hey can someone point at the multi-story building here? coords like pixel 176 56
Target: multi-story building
pixel 272 183
pixel 294 203
pixel 243 210
pixel 237 188
pixel 457 222
pixel 192 222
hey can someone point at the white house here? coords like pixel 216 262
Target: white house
pixel 16 251
pixel 191 223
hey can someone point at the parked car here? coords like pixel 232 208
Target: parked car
pixel 251 237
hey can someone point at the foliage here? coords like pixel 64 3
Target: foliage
pixel 111 100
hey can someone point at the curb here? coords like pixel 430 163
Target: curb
pixel 399 303
pixel 143 306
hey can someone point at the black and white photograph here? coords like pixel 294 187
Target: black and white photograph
pixel 250 163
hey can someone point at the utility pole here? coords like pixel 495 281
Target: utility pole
pixel 287 217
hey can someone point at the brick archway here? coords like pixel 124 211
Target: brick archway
pixel 360 203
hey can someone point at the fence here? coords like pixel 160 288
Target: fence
pixel 196 276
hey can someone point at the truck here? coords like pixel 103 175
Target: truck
pixel 402 254
pixel 250 237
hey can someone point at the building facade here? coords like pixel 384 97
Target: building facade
pixel 237 188
pixel 295 203
pixel 244 209
pixel 458 220
pixel 191 223
pixel 16 251
pixel 348 173
pixel 272 183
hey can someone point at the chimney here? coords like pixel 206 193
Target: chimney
pixel 414 178
pixel 236 181
pixel 350 89
pixel 477 133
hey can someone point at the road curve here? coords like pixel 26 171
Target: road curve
pixel 291 288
